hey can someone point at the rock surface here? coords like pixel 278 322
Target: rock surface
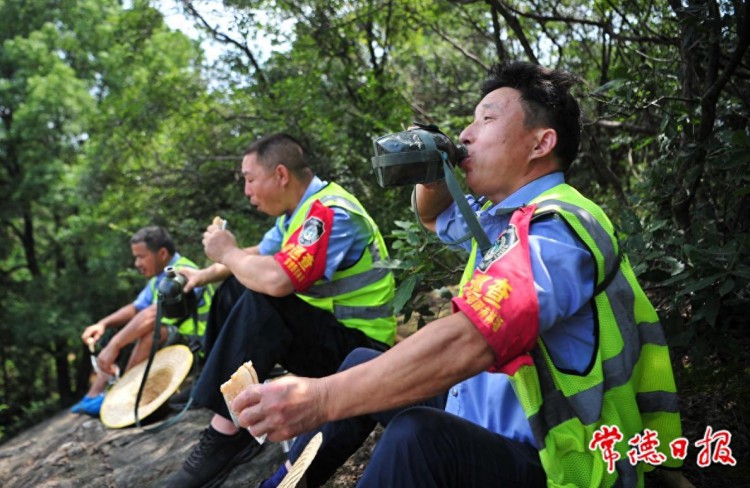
pixel 70 450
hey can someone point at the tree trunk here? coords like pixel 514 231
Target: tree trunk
pixel 63 371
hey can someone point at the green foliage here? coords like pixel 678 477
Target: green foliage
pixel 706 269
pixel 81 91
pixel 421 263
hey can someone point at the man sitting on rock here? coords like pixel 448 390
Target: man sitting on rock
pixel 304 297
pixel 153 250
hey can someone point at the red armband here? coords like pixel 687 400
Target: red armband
pixel 303 257
pixel 500 299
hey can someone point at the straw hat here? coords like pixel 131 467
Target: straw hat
pixel 304 460
pixel 170 367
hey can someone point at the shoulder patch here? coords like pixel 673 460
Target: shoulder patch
pixel 312 231
pixel 507 241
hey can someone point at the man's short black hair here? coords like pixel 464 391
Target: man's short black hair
pixel 546 100
pixel 155 238
pixel 280 148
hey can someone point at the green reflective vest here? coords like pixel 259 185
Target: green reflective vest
pixel 360 296
pixel 187 327
pixel 629 384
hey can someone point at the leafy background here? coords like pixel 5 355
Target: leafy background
pixel 112 121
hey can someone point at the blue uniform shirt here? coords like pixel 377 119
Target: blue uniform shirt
pixel 349 235
pixel 563 271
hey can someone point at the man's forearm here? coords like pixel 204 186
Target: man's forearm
pixel 141 324
pixel 219 272
pixel 259 273
pixel 431 200
pixel 429 362
pixel 215 273
pixel 120 316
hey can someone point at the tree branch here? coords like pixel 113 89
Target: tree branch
pixel 605 26
pixel 224 38
pixel 516 28
pixel 743 42
pixel 614 124
pixel 460 48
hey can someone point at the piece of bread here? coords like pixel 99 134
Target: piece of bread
pixel 218 221
pixel 240 379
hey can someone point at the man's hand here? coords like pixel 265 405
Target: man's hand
pixel 217 242
pixel 282 408
pixel 195 277
pixel 93 333
pixel 106 359
pixel 431 199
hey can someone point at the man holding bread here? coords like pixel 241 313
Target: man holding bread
pixel 304 297
pixel 552 342
pixel 153 250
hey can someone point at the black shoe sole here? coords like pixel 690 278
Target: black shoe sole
pixel 242 457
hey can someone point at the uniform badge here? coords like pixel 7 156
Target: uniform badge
pixel 507 240
pixel 312 230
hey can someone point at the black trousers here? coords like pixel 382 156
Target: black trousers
pixel 422 446
pixel 245 325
